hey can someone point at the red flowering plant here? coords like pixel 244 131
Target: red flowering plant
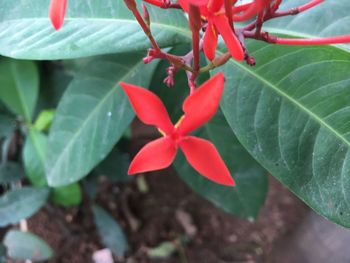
pixel 254 87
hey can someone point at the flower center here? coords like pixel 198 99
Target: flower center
pixel 175 136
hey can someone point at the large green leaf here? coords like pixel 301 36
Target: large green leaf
pixel 111 233
pixel 91 28
pixel 292 113
pixel 19 85
pixel 92 116
pixel 246 198
pixel 26 246
pixel 21 203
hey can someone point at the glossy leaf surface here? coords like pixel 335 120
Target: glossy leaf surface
pixel 91 28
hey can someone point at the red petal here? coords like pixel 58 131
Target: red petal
pixel 231 41
pixel 215 5
pixel 156 155
pixel 210 41
pixel 185 4
pixel 206 160
pixel 148 107
pixel 197 2
pixel 159 3
pixel 254 8
pixel 202 104
pixel 57 12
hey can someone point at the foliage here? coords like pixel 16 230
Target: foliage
pixel 65 121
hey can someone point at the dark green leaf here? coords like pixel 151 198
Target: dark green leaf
pixel 92 116
pixel 10 172
pixel 3 253
pixel 91 28
pixel 111 233
pixel 294 119
pixel 7 125
pixel 21 203
pixel 246 198
pixel 54 81
pixel 115 166
pixel 19 82
pixel 26 246
pixel 34 155
pixel 69 195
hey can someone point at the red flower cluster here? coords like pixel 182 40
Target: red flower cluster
pixel 198 109
pixel 214 17
pixel 214 13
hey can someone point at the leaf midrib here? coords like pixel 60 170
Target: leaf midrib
pixel 292 100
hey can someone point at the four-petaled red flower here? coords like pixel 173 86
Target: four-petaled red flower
pixel 57 12
pixel 214 12
pixel 199 108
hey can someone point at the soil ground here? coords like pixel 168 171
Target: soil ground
pixel 154 217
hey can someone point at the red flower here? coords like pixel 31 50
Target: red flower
pixel 213 11
pixel 199 108
pixel 250 10
pixel 57 12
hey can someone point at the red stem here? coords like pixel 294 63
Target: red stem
pixel 313 41
pixel 309 5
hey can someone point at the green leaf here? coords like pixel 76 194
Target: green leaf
pixel 34 155
pixel 54 81
pixel 19 82
pixel 91 28
pixel 111 233
pixel 115 166
pixel 44 120
pixel 69 195
pixel 7 125
pixel 163 251
pixel 26 246
pixel 246 198
pixel 10 172
pixel 3 253
pixel 92 116
pixel 294 120
pixel 314 22
pixel 21 203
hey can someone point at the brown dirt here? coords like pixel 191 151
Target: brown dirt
pixel 220 237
